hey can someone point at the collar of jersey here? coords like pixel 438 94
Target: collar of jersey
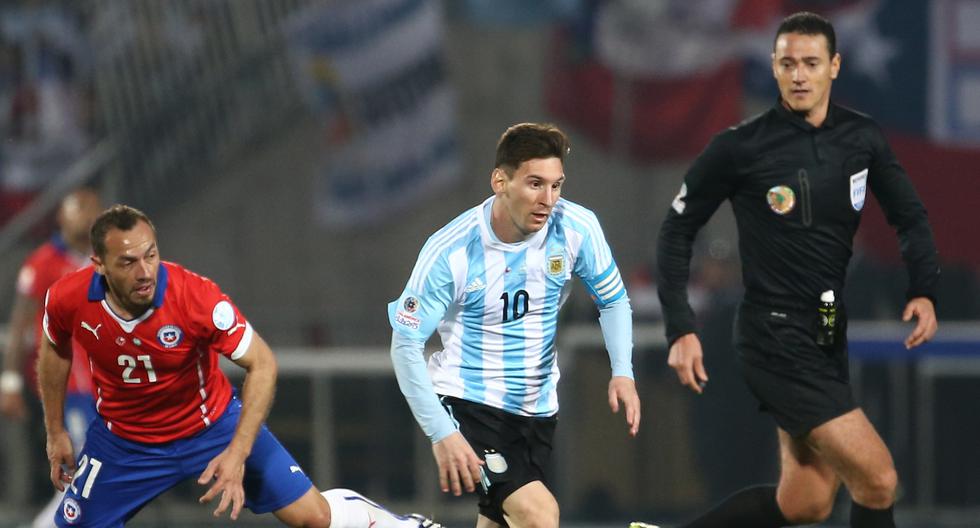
pixel 97 287
pixel 59 243
pixel 490 238
pixel 800 122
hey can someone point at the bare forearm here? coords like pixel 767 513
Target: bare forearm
pixel 52 374
pixel 258 391
pixel 20 322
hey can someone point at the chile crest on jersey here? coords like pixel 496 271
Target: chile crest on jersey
pixel 170 336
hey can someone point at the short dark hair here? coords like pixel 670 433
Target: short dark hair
pixel 121 217
pixel 527 141
pixel 807 23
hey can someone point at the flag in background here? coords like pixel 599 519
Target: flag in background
pixel 654 80
pixel 374 73
pixel 915 68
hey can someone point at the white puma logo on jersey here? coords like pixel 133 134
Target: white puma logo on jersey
pixel 295 469
pixel 95 331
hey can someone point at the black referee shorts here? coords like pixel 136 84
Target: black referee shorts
pixel 516 449
pixel 800 383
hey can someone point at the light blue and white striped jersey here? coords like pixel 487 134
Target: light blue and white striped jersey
pixel 496 304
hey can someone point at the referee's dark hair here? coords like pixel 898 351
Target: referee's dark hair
pixel 527 141
pixel 807 23
pixel 121 217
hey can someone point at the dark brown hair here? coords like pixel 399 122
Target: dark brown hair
pixel 121 217
pixel 528 141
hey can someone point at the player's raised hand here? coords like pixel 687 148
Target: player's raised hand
pixel 623 389
pixel 926 324
pixel 687 360
pixel 61 456
pixel 459 467
pixel 227 471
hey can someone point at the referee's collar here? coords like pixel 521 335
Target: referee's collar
pixel 801 122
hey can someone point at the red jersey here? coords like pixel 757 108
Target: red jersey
pixel 156 377
pixel 42 268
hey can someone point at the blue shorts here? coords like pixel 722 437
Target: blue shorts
pixel 115 477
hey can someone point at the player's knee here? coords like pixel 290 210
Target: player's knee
pixel 879 490
pixel 319 520
pixel 810 512
pixel 538 515
pixel 318 517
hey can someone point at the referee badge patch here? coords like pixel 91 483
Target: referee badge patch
pixel 781 199
pixel 859 189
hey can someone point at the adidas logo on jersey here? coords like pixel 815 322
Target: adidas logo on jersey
pixel 476 285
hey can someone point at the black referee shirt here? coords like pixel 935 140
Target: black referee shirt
pixel 797 192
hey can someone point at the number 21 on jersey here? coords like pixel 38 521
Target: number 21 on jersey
pixel 131 363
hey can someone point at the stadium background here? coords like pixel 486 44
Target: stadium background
pixel 299 153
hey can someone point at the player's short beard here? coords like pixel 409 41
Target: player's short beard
pixel 127 301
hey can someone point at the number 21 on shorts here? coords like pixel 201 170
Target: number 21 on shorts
pixel 93 466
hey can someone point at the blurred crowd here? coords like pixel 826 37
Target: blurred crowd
pixel 46 98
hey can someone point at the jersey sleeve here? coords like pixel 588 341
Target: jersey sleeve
pixel 594 263
pixel 429 292
pixel 56 322
pixel 711 180
pixel 906 213
pixel 216 320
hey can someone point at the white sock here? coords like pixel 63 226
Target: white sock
pixel 45 518
pixel 350 509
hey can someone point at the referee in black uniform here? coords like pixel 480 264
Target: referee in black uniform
pixel 797 177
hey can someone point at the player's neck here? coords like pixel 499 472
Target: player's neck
pixel 127 311
pixel 503 227
pixel 815 116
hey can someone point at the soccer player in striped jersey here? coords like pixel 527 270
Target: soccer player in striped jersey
pixel 492 282
pixel 154 331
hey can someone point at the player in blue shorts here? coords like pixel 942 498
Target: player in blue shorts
pixel 154 331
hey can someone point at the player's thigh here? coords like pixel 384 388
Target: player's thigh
pixel 111 485
pixel 531 505
pixel 807 483
pixel 852 447
pixel 274 480
pixel 309 510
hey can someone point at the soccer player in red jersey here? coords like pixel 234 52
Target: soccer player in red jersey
pixel 65 252
pixel 154 332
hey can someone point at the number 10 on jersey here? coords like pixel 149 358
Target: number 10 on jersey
pixel 517 309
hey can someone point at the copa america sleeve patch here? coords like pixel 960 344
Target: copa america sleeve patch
pixel 407 320
pixel 223 315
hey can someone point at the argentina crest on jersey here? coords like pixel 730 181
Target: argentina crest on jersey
pixel 556 264
pixel 859 189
